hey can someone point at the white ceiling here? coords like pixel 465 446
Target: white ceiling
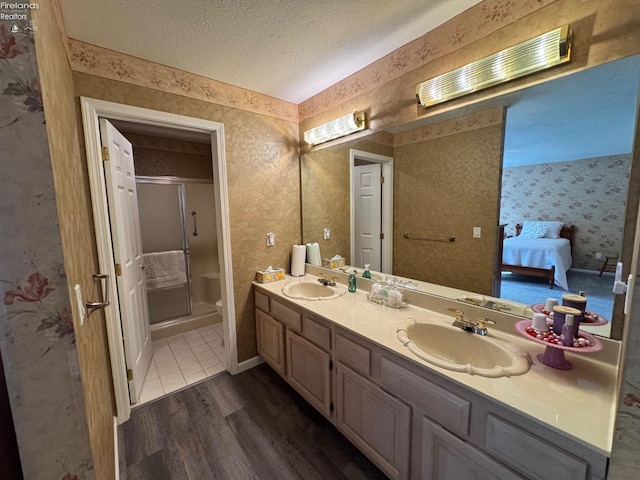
pixel 289 49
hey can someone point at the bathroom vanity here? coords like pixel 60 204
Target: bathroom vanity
pixel 415 420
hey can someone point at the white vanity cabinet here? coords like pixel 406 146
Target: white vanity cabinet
pixel 309 372
pixel 376 422
pixel 296 346
pixel 412 421
pixel 445 457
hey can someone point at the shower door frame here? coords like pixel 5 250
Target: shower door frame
pixel 182 205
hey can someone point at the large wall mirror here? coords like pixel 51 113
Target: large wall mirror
pixel 557 151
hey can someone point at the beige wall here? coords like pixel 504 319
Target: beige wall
pixel 446 186
pixel 76 228
pixel 262 177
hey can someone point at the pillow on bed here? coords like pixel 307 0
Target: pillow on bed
pixel 552 229
pixel 533 230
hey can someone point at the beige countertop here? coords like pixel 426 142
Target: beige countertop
pixel 579 402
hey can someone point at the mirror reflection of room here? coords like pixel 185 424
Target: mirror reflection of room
pixel 567 155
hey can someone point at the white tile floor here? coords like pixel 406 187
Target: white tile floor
pixel 182 360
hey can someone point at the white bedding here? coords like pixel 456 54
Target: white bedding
pixel 540 253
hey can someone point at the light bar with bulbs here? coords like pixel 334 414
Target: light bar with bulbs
pixel 351 123
pixel 545 51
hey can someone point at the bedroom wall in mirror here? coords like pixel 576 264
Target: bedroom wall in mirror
pixel 551 152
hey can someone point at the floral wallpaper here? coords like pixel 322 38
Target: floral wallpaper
pixel 88 58
pixel 588 193
pixel 36 329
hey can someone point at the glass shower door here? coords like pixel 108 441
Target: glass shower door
pixel 162 229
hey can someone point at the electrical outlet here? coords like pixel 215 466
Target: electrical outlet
pixel 327 233
pixel 477 231
pixel 599 255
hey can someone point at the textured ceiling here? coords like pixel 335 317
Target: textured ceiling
pixel 289 49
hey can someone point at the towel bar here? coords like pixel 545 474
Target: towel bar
pixel 409 236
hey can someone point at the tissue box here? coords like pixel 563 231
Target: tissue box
pixel 264 276
pixel 333 263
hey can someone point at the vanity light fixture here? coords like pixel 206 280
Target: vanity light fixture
pixel 539 53
pixel 351 123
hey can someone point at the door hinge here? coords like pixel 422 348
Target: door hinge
pixel 129 374
pixel 381 180
pixel 105 154
pixel 331 407
pixel 382 236
pixel 118 270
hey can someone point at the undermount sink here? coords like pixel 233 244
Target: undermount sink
pixel 455 349
pixel 313 291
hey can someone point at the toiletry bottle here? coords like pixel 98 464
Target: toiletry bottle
pixel 352 282
pixel 366 273
pixel 566 337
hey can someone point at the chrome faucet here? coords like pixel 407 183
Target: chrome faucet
pixel 328 281
pixel 478 326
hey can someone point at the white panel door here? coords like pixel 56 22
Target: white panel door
pixel 127 251
pixel 368 219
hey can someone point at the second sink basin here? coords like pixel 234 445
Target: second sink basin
pixel 312 291
pixel 455 349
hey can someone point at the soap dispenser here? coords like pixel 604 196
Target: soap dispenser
pixel 366 273
pixel 352 281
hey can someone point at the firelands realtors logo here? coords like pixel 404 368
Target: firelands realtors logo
pixel 17 15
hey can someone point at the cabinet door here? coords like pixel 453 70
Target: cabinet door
pixel 270 339
pixel 308 371
pixel 446 457
pixel 375 421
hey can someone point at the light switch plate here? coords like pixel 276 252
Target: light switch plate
pixel 271 239
pixel 327 233
pixel 477 232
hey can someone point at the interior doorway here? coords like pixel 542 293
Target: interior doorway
pixel 93 110
pixel 371 180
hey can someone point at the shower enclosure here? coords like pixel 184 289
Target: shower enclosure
pixel 178 230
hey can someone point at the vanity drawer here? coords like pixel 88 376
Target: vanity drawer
pixel 352 354
pixel 262 301
pixel 316 332
pixel 287 315
pixel 522 451
pixel 449 410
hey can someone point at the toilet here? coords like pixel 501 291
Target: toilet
pixel 219 307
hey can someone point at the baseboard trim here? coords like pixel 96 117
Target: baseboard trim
pixel 248 364
pixel 116 454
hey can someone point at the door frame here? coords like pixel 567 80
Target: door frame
pixel 92 110
pixel 387 204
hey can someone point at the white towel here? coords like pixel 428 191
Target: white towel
pixel 165 269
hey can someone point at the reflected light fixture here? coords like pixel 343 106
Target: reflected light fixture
pixel 539 53
pixel 351 123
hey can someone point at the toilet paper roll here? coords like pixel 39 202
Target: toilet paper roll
pixel 298 257
pixel 313 254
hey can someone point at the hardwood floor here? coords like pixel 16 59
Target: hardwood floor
pixel 247 426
